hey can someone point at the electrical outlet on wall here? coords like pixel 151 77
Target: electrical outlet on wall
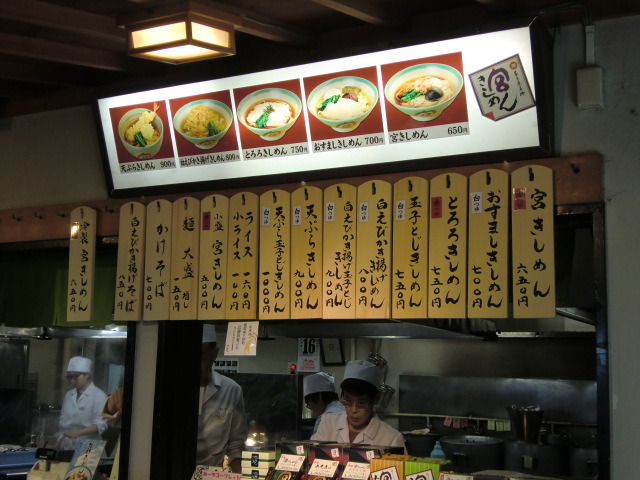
pixel 589 88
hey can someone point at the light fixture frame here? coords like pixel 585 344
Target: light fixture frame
pixel 188 15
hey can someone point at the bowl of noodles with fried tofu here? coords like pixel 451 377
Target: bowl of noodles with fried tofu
pixel 424 91
pixel 203 122
pixel 141 131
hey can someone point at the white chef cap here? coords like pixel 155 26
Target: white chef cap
pixel 208 333
pixel 318 382
pixel 79 364
pixel 363 370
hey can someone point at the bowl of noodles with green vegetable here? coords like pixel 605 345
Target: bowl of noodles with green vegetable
pixel 203 122
pixel 141 131
pixel 270 112
pixel 424 91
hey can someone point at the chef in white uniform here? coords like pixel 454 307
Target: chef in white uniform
pixel 320 396
pixel 222 425
pixel 80 416
pixel 359 423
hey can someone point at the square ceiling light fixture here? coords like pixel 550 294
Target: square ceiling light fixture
pixel 179 34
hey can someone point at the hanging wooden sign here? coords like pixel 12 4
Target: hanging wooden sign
pixel 306 253
pixel 410 257
pixel 275 251
pixel 214 245
pixel 82 259
pixel 129 294
pixel 488 265
pixel 373 249
pixel 185 250
pixel 533 257
pixel 157 260
pixel 448 246
pixel 339 252
pixel 242 257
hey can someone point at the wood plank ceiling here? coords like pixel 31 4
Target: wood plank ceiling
pixel 63 53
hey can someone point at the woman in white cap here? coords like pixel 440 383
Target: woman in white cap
pixel 82 406
pixel 359 423
pixel 320 396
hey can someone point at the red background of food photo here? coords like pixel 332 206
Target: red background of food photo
pixel 296 134
pixel 456 112
pixel 166 149
pixel 229 142
pixel 370 125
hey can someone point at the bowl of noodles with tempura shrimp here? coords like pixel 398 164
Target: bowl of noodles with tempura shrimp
pixel 141 131
pixel 424 91
pixel 203 122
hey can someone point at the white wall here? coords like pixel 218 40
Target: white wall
pixel 44 156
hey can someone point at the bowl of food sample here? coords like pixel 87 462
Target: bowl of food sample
pixel 203 122
pixel 141 131
pixel 424 91
pixel 269 112
pixel 343 103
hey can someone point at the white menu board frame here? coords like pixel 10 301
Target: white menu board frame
pixel 247 159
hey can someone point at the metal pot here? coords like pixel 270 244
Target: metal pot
pixel 420 444
pixel 472 453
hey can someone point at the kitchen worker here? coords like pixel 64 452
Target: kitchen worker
pixel 320 396
pixel 359 422
pixel 222 426
pixel 80 416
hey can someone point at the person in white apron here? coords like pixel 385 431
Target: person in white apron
pixel 81 408
pixel 222 424
pixel 320 396
pixel 359 423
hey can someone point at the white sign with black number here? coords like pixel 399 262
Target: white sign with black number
pixel 309 355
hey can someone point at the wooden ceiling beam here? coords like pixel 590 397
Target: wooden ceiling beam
pixel 362 10
pixel 61 53
pixel 43 14
pixel 37 74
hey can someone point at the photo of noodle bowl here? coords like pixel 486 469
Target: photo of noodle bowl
pixel 343 102
pixel 203 122
pixel 141 131
pixel 269 112
pixel 424 91
pixel 78 473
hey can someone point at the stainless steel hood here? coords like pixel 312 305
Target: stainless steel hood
pixel 47 333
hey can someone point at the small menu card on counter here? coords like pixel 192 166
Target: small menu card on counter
pixel 85 459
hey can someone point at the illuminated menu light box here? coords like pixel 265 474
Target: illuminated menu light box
pixel 435 105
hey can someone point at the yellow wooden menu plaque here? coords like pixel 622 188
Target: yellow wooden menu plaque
pixel 275 251
pixel 129 294
pixel 185 250
pixel 488 263
pixel 214 243
pixel 373 249
pixel 448 246
pixel 339 252
pixel 410 256
pixel 306 252
pixel 82 259
pixel 242 256
pixel 533 252
pixel 157 260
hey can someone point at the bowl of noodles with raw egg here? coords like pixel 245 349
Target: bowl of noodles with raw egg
pixel 141 131
pixel 424 91
pixel 343 102
pixel 269 112
pixel 203 122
